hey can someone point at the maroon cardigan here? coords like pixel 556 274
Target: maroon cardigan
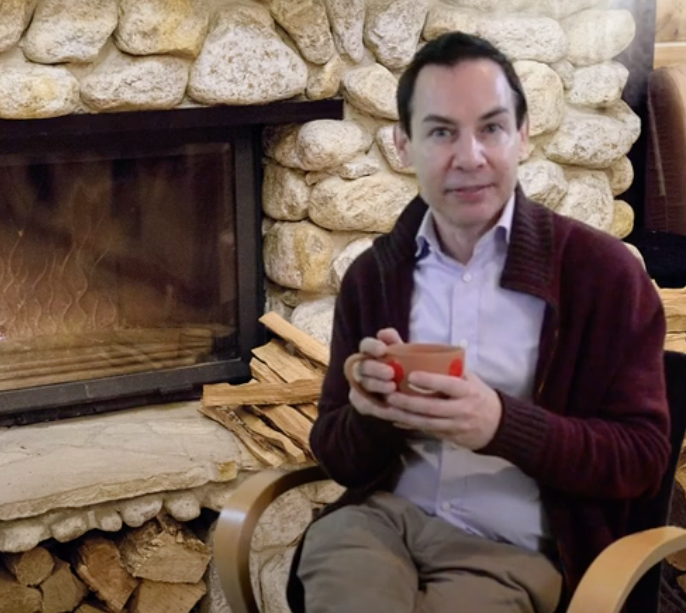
pixel 595 434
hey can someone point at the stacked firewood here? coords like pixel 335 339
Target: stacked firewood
pixel 273 413
pixel 157 568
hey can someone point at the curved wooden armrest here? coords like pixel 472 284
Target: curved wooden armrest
pixel 614 573
pixel 236 525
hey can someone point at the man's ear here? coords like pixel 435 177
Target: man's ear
pixel 403 145
pixel 524 138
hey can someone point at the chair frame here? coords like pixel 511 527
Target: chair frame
pixel 604 588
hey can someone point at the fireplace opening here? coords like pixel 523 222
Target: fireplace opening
pixel 130 256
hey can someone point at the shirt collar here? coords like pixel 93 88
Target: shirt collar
pixel 427 238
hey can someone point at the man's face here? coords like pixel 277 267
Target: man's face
pixel 465 144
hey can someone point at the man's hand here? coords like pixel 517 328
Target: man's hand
pixel 468 416
pixel 375 376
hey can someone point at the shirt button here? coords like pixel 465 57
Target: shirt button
pixel 466 277
pixel 446 506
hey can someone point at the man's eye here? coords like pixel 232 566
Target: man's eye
pixel 491 128
pixel 440 132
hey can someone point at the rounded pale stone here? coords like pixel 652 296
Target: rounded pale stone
pixel 622 219
pixel 559 9
pixel 107 518
pixel 370 204
pixel 274 301
pixel 384 138
pixel 442 19
pixel 307 23
pixel 16 15
pixel 596 35
pixel 360 166
pixel 148 27
pixel 347 23
pixel 31 91
pixel 372 89
pixel 392 30
pixel 244 61
pixel 315 317
pixel 324 81
pixel 70 527
pixel 480 5
pixel 621 175
pixel 346 257
pixel 285 194
pixel 545 96
pixel 589 199
pixel 543 181
pixel 322 492
pixel 326 143
pixel 590 139
pixel 526 38
pixel 137 511
pixel 125 83
pixel 298 255
pixel 599 86
pixel 274 578
pixel 622 113
pixel 22 535
pixel 69 31
pixel 182 506
pixel 566 72
pixel 280 143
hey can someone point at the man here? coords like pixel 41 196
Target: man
pixel 497 496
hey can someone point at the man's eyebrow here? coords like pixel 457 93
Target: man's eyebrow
pixel 432 118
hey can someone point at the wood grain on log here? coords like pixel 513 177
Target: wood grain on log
pixel 89 607
pixel 17 598
pixel 286 419
pixel 309 410
pixel 154 597
pixel 99 564
pixel 62 591
pixel 230 420
pixel 290 368
pixel 31 567
pixel 165 550
pixel 226 395
pixel 303 342
pixel 275 438
pixel 262 373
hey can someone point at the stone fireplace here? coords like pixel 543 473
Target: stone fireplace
pixel 111 92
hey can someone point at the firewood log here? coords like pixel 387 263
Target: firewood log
pixel 62 591
pixel 164 550
pixel 17 598
pixel 157 597
pixel 31 567
pixel 98 562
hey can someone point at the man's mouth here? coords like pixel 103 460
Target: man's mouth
pixel 468 189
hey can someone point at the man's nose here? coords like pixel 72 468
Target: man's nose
pixel 468 153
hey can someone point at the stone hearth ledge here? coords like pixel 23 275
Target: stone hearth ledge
pixel 61 479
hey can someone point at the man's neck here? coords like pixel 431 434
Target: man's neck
pixel 459 242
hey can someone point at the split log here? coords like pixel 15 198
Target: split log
pixel 290 368
pixel 287 420
pixel 99 564
pixel 31 567
pixel 17 598
pixel 262 373
pixel 226 395
pixel 165 550
pixel 62 591
pixel 156 597
pixel 304 343
pixel 274 437
pixel 309 410
pixel 260 449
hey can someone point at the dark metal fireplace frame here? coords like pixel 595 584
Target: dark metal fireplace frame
pixel 240 126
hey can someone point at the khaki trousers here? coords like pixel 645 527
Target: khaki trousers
pixel 388 556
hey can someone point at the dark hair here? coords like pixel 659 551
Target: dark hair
pixel 449 50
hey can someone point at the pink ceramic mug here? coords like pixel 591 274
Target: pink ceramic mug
pixel 409 357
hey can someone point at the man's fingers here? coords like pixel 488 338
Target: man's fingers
pixel 389 336
pixel 455 387
pixel 366 406
pixel 373 347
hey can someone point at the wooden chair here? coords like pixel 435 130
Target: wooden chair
pixel 626 572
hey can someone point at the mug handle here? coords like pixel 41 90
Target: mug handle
pixel 349 371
